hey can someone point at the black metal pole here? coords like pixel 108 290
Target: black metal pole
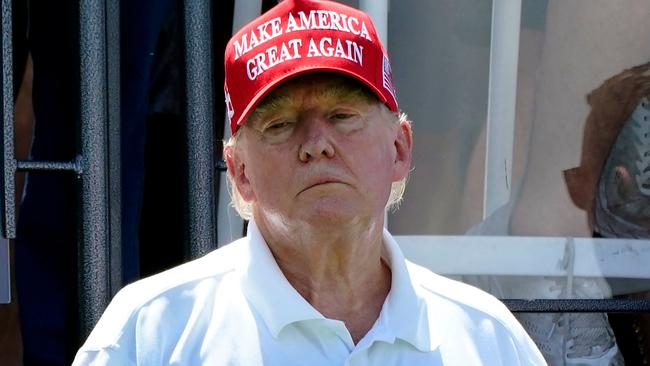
pixel 8 204
pixel 8 158
pixel 114 144
pixel 200 130
pixel 94 263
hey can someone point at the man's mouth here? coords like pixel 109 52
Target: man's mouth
pixel 321 182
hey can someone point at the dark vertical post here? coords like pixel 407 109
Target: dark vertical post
pixel 94 264
pixel 8 158
pixel 114 143
pixel 7 205
pixel 200 116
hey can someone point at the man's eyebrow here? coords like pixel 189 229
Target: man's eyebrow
pixel 270 104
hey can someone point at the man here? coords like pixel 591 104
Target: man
pixel 318 152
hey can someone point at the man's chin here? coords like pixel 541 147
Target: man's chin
pixel 332 216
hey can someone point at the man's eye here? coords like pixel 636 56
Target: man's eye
pixel 278 126
pixel 342 115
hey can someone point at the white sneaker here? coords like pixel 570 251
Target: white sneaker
pixel 584 339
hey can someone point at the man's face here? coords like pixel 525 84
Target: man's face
pixel 320 149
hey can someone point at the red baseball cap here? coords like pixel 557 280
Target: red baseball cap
pixel 297 37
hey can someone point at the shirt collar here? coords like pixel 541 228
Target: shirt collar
pixel 268 290
pixel 404 314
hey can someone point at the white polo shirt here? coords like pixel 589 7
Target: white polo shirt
pixel 235 307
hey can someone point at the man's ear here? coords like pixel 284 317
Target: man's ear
pixel 237 172
pixel 403 151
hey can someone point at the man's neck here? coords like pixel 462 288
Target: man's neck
pixel 339 272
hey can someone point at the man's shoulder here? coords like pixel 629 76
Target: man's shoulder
pixel 467 311
pixel 434 288
pixel 170 292
pixel 212 265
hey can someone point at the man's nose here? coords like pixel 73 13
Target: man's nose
pixel 317 142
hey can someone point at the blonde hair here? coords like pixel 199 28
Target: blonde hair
pixel 245 209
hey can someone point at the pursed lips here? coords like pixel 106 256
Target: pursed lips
pixel 321 181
